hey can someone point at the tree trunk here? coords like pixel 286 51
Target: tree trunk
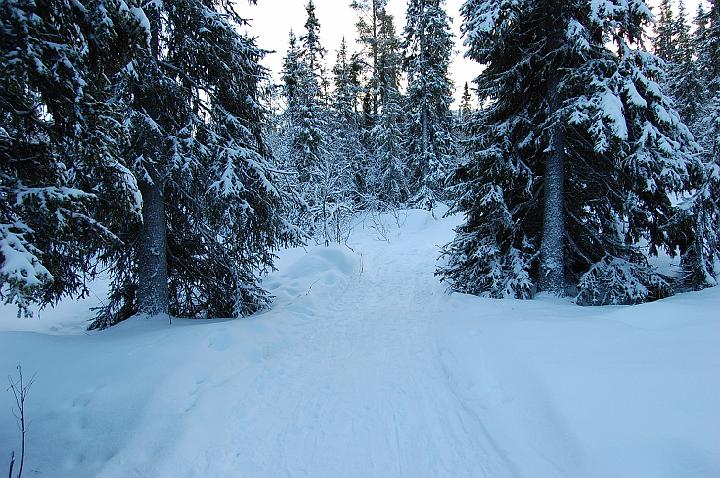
pixel 153 296
pixel 376 73
pixel 552 249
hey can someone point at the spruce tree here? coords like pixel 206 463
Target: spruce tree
pixel 428 47
pixel 466 105
pixel 313 52
pixel 574 159
pixel 665 32
pixel 211 214
pixel 64 188
pixel 701 260
pixel 371 14
pixel 379 54
pixel 391 188
pixel 344 127
pixel 389 59
pixel 684 83
pixel 346 83
pixel 303 111
pixel 389 171
pixel 462 128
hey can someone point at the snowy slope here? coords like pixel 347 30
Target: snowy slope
pixel 365 367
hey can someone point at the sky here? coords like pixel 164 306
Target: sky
pixel 272 20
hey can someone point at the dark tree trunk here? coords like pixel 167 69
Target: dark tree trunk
pixel 552 249
pixel 153 297
pixel 376 73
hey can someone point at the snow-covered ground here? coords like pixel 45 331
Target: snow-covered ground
pixel 366 367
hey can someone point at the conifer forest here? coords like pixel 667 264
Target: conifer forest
pixel 433 273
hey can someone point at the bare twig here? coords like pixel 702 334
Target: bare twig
pixel 20 388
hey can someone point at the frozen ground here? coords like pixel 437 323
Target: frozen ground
pixel 365 367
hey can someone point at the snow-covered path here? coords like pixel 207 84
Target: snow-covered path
pixel 366 367
pixel 362 390
pixel 356 387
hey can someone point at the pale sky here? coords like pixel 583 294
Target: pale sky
pixel 271 21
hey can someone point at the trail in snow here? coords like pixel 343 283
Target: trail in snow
pixel 359 388
pixel 366 367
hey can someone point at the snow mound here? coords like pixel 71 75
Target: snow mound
pixel 310 277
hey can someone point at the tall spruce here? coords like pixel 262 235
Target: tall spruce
pixel 370 17
pixel 376 37
pixel 574 159
pixel 344 127
pixel 466 107
pixel 701 261
pixel 346 83
pixel 64 188
pixel 463 123
pixel 664 42
pixel 211 215
pixel 389 59
pixel 304 111
pixel 684 82
pixel 313 52
pixel 390 186
pixel 428 44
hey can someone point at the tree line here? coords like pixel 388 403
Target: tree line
pixel 145 140
pixel 352 138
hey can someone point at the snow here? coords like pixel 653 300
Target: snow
pixel 20 264
pixel 366 367
pixel 612 109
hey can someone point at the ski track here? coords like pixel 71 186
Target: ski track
pixel 361 397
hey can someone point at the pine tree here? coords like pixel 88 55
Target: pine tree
pixel 346 83
pixel 430 143
pixel 684 83
pixel 60 141
pixel 313 52
pixel 211 214
pixel 344 127
pixel 371 15
pixel 574 160
pixel 388 171
pixel 303 110
pixel 701 260
pixel 391 188
pixel 389 60
pixel 665 28
pixel 466 105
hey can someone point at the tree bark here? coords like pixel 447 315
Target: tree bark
pixel 153 296
pixel 376 73
pixel 552 248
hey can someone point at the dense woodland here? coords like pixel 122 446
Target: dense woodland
pixel 146 141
